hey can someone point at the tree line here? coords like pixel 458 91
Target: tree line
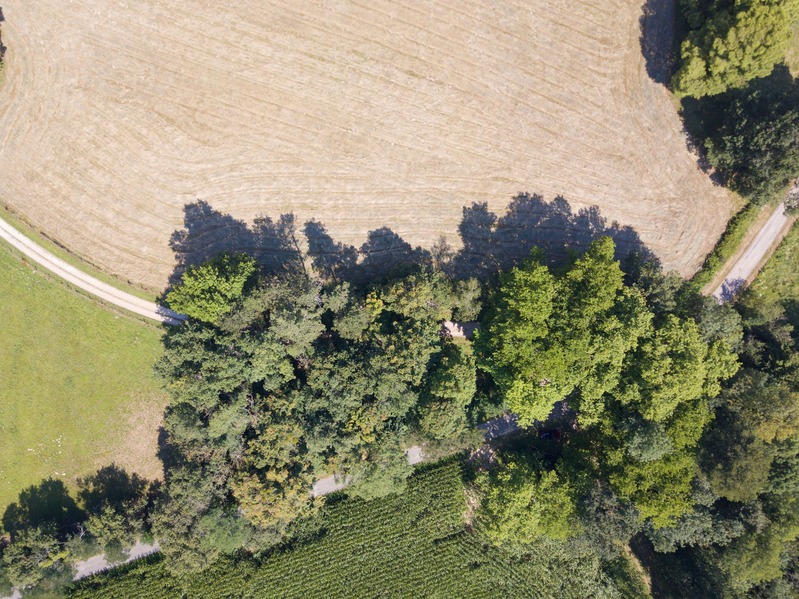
pixel 650 414
pixel 682 433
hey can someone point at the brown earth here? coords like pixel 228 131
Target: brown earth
pixel 136 434
pixel 362 115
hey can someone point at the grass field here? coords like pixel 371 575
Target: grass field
pixel 410 545
pixel 76 384
pixel 360 114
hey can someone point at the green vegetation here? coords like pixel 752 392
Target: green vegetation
pixel 415 544
pixel 206 292
pixel 549 337
pixel 279 382
pixel 638 429
pixel 778 283
pixel 731 42
pixel 522 502
pixel 75 378
pixel 741 111
pixel 740 540
pixel 49 530
pixel 751 135
pixel 730 242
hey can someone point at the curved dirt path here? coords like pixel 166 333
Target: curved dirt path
pixel 87 283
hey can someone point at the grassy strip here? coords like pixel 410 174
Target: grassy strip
pixel 410 545
pixel 77 386
pixel 70 258
pixel 792 54
pixel 729 243
pixel 778 281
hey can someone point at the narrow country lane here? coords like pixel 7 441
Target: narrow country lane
pixel 747 265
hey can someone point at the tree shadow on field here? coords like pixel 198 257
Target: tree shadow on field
pixel 657 35
pixel 490 243
pixel 47 504
pixel 208 232
pixel 383 254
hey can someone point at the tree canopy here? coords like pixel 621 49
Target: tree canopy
pixel 206 292
pixel 290 380
pixel 548 337
pixel 731 42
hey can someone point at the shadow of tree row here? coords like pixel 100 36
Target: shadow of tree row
pixel 656 26
pixel 490 243
pixel 50 504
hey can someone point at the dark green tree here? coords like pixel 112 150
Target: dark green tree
pixel 35 555
pixel 754 138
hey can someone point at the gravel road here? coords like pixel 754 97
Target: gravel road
pixel 746 267
pixel 87 283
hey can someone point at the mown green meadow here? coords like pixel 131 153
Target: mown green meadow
pixel 77 390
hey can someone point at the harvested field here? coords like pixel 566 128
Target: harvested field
pixel 117 114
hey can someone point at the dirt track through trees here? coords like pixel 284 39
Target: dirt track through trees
pixel 117 114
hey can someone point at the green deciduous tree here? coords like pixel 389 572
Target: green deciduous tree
pixel 35 554
pixel 113 532
pixel 547 337
pixel 767 405
pixel 737 463
pixel 673 365
pixel 206 292
pixel 607 521
pixel 754 138
pixel 660 489
pixel 291 381
pixel 520 502
pixel 731 44
pixel 449 388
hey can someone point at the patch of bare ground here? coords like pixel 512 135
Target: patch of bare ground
pixel 359 114
pixel 472 505
pixel 639 567
pixel 135 446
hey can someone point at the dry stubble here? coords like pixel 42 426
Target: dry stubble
pixel 116 114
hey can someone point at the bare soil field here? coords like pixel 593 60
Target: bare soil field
pixel 117 114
